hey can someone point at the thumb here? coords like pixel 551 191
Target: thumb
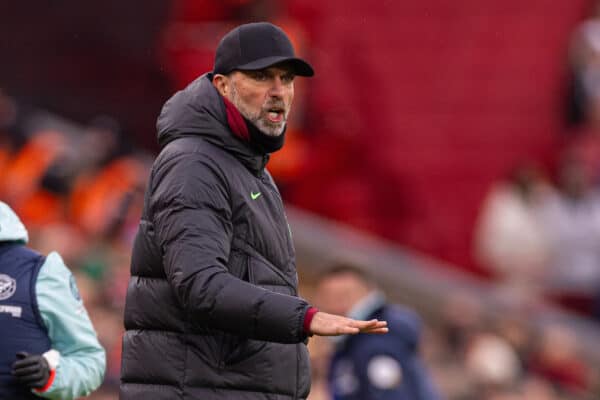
pixel 22 355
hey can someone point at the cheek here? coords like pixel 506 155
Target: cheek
pixel 256 100
pixel 251 97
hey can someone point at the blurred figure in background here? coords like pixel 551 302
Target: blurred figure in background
pixel 48 342
pixel 492 365
pixel 374 367
pixel 571 219
pixel 510 240
pixel 559 358
pixel 584 66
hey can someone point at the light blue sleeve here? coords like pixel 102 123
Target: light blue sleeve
pixel 82 359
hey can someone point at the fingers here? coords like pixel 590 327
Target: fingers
pixel 372 326
pixel 24 363
pixel 24 371
pixel 324 324
pixel 380 327
pixel 34 380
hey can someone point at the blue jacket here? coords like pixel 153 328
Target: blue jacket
pixel 50 311
pixel 381 367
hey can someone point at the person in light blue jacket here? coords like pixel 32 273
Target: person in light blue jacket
pixel 48 346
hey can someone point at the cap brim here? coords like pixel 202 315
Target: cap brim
pixel 299 66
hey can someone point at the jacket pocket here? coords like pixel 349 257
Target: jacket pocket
pixel 238 264
pixel 235 349
pixel 263 274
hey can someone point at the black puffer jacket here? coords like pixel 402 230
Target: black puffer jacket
pixel 212 310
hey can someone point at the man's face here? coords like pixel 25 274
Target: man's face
pixel 264 97
pixel 338 293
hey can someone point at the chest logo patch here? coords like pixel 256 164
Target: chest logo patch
pixel 254 195
pixel 8 286
pixel 384 372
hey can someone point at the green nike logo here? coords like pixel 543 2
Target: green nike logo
pixel 254 195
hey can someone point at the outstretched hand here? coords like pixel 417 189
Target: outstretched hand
pixel 324 324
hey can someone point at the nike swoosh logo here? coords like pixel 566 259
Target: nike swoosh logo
pixel 254 195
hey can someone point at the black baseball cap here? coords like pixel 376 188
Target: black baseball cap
pixel 256 46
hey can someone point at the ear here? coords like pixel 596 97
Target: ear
pixel 221 83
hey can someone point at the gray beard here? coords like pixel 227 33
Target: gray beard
pixel 263 124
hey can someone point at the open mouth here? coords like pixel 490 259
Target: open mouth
pixel 275 114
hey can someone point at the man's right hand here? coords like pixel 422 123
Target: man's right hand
pixel 324 324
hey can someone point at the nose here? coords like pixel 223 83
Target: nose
pixel 277 88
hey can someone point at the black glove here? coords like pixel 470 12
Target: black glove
pixel 31 370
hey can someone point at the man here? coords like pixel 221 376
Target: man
pixel 49 347
pixel 372 367
pixel 212 309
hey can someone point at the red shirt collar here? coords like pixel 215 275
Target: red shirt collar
pixel 236 121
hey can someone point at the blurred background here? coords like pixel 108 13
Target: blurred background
pixel 452 148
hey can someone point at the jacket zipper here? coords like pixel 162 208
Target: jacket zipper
pixel 269 185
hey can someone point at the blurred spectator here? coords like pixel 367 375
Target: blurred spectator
pixel 512 324
pixel 101 201
pixel 86 152
pixel 40 176
pixel 571 219
pixel 510 239
pixel 21 184
pixel 559 359
pixel 584 58
pixel 584 62
pixel 461 319
pixel 492 363
pixel 375 367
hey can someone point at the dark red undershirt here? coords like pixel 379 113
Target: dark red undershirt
pixel 236 121
pixel 308 317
